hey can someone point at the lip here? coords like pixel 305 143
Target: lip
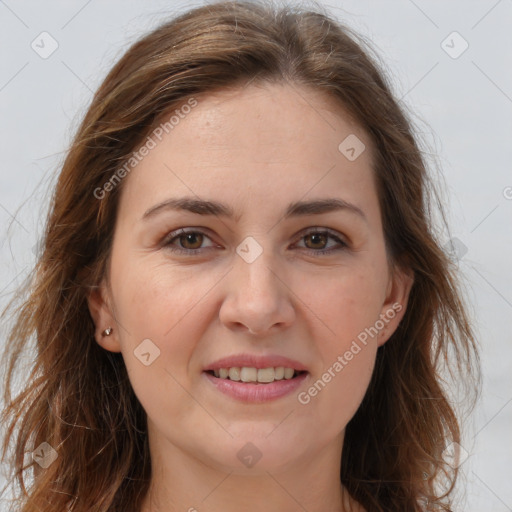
pixel 254 392
pixel 254 361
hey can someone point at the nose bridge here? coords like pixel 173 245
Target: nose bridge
pixel 256 297
pixel 255 268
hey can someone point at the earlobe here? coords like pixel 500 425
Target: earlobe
pixel 395 304
pixel 105 331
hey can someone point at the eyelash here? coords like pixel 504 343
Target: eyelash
pixel 167 242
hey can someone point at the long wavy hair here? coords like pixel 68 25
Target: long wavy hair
pixel 77 397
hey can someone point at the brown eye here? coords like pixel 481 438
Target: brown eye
pixel 191 240
pixel 186 242
pixel 318 240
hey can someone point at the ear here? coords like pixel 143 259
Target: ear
pixel 395 303
pixel 103 318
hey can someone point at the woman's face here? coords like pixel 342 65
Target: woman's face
pixel 250 281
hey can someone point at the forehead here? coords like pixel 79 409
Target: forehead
pixel 288 122
pixel 276 140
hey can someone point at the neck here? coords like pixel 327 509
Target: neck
pixel 190 484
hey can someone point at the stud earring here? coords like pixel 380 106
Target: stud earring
pixel 107 332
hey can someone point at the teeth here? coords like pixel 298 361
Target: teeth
pixel 279 373
pixel 288 373
pixel 266 375
pixel 248 374
pixel 234 374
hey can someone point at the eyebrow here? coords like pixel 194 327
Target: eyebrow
pixel 295 209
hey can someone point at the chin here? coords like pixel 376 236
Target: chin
pixel 257 451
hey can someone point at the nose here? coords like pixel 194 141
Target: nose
pixel 258 299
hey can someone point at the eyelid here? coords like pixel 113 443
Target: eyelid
pixel 342 243
pixel 184 231
pixel 340 238
pixel 331 232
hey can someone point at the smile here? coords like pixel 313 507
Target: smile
pixel 251 374
pixel 254 391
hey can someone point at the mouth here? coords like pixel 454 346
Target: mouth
pixel 252 375
pixel 255 378
pixel 262 382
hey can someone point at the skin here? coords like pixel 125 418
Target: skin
pixel 256 149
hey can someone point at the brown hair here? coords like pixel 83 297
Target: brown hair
pixel 78 397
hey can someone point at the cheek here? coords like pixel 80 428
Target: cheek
pixel 160 304
pixel 345 343
pixel 334 396
pixel 346 302
pixel 152 297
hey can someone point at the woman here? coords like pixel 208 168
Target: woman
pixel 196 350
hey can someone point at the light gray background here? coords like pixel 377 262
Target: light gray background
pixel 464 107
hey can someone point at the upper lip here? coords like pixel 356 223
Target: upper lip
pixel 255 361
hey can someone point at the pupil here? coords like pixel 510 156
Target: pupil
pixel 189 237
pixel 313 237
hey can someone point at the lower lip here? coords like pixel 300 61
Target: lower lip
pixel 257 393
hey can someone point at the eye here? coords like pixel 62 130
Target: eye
pixel 189 240
pixel 319 238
